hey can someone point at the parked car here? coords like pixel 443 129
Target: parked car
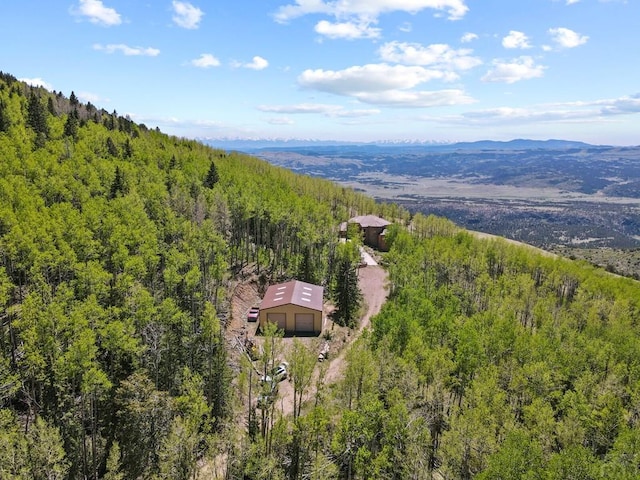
pixel 254 313
pixel 281 372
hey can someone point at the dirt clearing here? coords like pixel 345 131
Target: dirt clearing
pixel 372 280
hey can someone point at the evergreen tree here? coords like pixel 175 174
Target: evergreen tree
pixel 71 125
pixel 346 291
pixel 128 149
pixel 5 121
pixel 37 116
pixel 306 268
pixel 51 108
pixel 110 120
pixel 212 176
pixel 111 148
pixel 117 187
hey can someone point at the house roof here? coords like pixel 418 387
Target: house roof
pixel 298 293
pixel 370 221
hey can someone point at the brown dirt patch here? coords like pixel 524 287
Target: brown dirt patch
pixel 372 283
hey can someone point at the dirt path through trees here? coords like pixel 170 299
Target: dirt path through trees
pixel 373 285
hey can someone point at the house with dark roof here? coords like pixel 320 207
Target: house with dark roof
pixel 294 306
pixel 373 230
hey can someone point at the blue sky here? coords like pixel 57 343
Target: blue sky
pixel 356 70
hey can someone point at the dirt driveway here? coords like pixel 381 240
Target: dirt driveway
pixel 373 285
pixel 372 280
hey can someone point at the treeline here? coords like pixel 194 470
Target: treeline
pixel 118 245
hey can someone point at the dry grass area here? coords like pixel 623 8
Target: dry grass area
pixel 489 236
pixel 625 262
pixel 392 187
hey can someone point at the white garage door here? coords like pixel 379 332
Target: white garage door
pixel 304 322
pixel 280 319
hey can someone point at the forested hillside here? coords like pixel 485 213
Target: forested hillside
pixel 517 364
pixel 119 247
pixel 489 360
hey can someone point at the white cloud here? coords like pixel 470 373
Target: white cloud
pixel 280 121
pixel 383 84
pixel 566 38
pixel 571 2
pixel 258 63
pixel 620 106
pixel 186 15
pixel 406 27
pixel 96 12
pixel 357 113
pixel 522 68
pixel 205 60
pixel 370 9
pixel 300 108
pixel 468 37
pixel 516 39
pixel 126 50
pixel 568 112
pixel 318 108
pixel 510 115
pixel 346 30
pixel 416 99
pixel 37 82
pixel 367 78
pixel 438 55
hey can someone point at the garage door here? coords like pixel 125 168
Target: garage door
pixel 280 319
pixel 304 322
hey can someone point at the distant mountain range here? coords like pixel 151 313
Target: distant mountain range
pixel 251 146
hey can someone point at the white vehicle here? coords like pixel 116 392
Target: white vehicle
pixel 281 372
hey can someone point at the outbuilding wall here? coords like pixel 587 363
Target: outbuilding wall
pixel 290 311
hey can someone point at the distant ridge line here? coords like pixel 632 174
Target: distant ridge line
pixel 250 145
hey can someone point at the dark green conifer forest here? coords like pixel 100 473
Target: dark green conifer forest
pixel 120 247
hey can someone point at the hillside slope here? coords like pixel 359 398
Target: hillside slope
pixel 117 247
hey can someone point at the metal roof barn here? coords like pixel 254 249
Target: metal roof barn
pixel 295 307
